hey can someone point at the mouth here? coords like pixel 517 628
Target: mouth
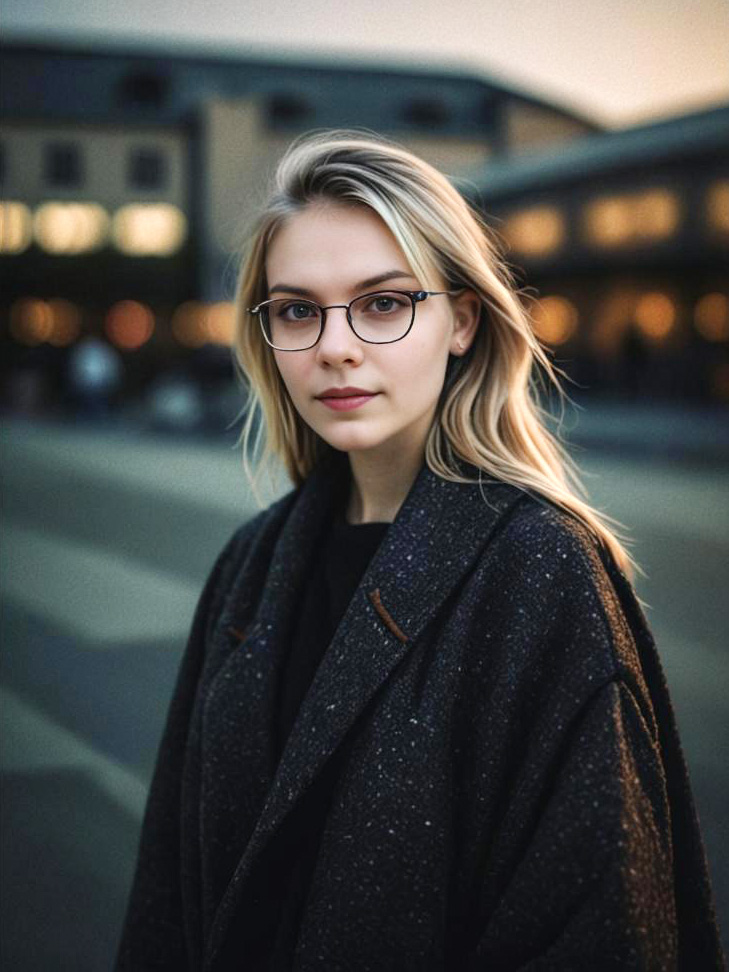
pixel 345 400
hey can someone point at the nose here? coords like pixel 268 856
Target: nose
pixel 338 342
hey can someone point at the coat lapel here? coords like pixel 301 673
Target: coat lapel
pixel 434 540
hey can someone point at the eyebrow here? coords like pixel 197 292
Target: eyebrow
pixel 362 285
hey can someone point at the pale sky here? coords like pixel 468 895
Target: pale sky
pixel 620 62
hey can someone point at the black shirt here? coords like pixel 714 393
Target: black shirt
pixel 345 552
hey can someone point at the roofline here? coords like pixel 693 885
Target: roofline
pixel 144 48
pixel 686 135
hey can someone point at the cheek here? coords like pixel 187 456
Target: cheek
pixel 420 363
pixel 292 373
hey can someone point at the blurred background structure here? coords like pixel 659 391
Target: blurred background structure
pixel 130 174
pixel 129 180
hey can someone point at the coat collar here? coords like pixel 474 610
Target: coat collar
pixel 435 538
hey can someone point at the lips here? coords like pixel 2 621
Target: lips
pixel 346 392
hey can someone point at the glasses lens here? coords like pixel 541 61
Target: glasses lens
pixel 291 325
pixel 382 317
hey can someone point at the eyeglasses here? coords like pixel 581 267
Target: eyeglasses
pixel 382 317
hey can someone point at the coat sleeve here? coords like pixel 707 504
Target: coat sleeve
pixel 593 888
pixel 153 936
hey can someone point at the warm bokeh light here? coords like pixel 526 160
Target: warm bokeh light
pixel 717 206
pixel 188 324
pixel 129 324
pixel 611 319
pixel 149 229
pixel 711 317
pixel 536 231
pixel 16 227
pixel 655 315
pixel 220 322
pixel 31 320
pixel 555 320
pixel 66 322
pixel 69 228
pixel 635 218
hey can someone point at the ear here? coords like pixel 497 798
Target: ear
pixel 467 313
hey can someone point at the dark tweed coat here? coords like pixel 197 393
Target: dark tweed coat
pixel 492 722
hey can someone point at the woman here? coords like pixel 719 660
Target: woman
pixel 421 722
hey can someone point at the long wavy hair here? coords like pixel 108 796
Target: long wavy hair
pixel 488 413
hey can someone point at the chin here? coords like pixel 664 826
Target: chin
pixel 352 439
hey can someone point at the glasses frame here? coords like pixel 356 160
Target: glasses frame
pixel 416 297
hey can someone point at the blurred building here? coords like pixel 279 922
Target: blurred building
pixel 129 179
pixel 625 237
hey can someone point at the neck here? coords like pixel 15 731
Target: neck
pixel 381 480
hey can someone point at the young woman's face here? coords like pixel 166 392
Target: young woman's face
pixel 332 253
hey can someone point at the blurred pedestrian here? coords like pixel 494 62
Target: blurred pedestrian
pixel 421 722
pixel 95 376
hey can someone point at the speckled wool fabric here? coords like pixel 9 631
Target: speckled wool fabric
pixel 490 725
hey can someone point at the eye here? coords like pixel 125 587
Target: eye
pixel 386 303
pixel 298 311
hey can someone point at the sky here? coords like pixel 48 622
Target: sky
pixel 619 62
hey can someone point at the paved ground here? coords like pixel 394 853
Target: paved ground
pixel 108 536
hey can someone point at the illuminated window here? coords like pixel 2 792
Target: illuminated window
pixel 63 166
pixel 536 231
pixel 66 228
pixel 16 227
pixel 711 317
pixel 717 206
pixel 149 229
pixel 147 169
pixel 632 219
pixel 555 320
pixel 655 315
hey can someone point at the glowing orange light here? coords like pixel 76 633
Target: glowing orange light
pixel 711 317
pixel 717 205
pixel 220 322
pixel 129 324
pixel 655 315
pixel 555 320
pixel 31 320
pixel 188 324
pixel 66 322
pixel 535 231
pixel 632 218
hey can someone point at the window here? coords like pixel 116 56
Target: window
pixel 287 107
pixel 144 89
pixel 147 169
pixel 426 112
pixel 63 166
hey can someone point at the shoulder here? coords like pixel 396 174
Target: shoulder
pixel 539 535
pixel 543 579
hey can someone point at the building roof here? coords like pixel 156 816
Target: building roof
pixel 686 137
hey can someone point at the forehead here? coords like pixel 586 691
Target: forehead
pixel 332 244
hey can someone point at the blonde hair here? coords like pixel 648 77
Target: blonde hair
pixel 488 413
